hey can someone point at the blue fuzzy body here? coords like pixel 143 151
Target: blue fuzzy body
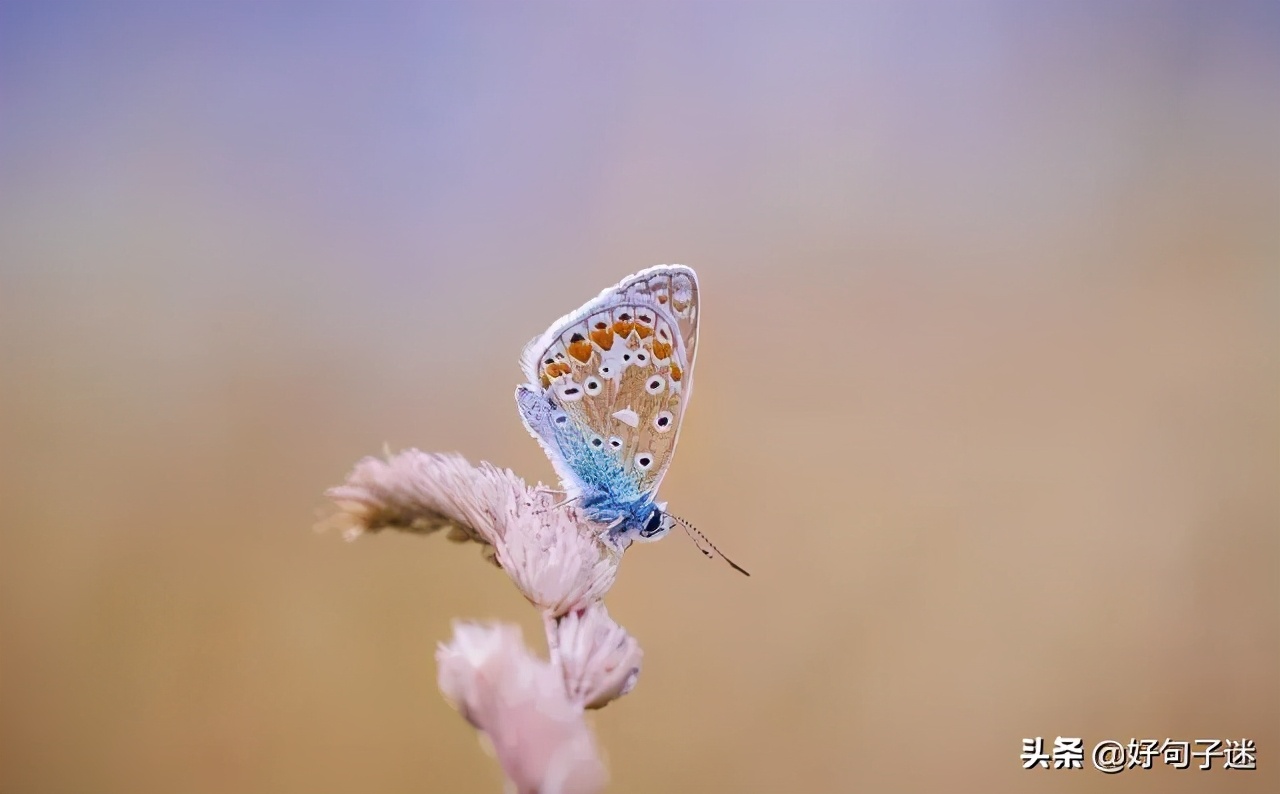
pixel 608 493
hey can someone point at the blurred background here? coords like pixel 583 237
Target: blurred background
pixel 988 386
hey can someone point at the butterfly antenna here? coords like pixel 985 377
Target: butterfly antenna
pixel 695 535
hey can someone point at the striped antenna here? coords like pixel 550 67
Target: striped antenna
pixel 697 536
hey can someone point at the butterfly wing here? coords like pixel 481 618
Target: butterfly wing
pixel 610 382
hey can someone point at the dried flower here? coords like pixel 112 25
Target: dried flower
pixel 555 558
pixel 518 701
pixel 410 492
pixel 599 659
pixel 531 711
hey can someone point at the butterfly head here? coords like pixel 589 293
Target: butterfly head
pixel 650 521
pixel 656 526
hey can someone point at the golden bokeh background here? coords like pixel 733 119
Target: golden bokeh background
pixel 987 388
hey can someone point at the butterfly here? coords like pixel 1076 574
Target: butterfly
pixel 608 387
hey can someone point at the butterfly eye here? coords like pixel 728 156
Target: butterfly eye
pixel 592 385
pixel 615 442
pixel 655 385
pixel 570 392
pixel 662 422
pixel 653 525
pixel 644 461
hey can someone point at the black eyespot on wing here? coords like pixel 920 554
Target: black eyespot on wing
pixel 577 338
pixel 597 442
pixel 571 390
pixel 625 316
pixel 561 419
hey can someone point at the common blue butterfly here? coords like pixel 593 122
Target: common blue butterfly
pixel 607 390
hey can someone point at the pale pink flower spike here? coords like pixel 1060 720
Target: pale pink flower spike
pixel 518 701
pixel 531 711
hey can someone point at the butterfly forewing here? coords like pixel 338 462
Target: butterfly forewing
pixel 620 369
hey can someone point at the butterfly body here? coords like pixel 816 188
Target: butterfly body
pixel 607 389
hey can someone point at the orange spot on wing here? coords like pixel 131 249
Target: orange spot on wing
pixel 556 370
pixel 662 299
pixel 546 380
pixel 602 337
pixel 676 374
pixel 580 350
pixel 623 329
pixel 644 331
pixel 661 350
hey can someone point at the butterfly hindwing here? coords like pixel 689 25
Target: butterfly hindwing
pixel 539 417
pixel 609 383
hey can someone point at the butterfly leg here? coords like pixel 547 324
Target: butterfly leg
pixel 555 506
